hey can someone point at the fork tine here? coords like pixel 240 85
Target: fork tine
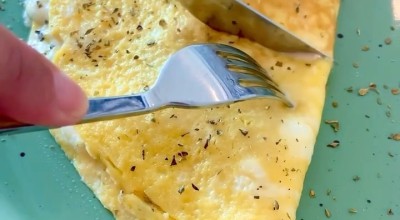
pixel 258 83
pixel 249 79
pixel 246 77
pixel 246 68
pixel 272 93
pixel 232 51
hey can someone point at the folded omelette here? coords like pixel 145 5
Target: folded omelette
pixel 246 160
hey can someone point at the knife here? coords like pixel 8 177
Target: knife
pixel 237 18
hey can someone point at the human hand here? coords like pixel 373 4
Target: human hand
pixel 33 90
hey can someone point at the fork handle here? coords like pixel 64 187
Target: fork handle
pixel 99 109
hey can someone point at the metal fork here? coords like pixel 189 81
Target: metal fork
pixel 200 75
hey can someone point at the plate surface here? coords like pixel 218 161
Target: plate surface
pixel 38 182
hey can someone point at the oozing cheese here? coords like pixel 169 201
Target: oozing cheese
pixel 247 160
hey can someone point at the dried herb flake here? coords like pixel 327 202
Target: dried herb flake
pixel 276 205
pixel 327 213
pixel 334 124
pixel 352 210
pixel 244 132
pixel 173 162
pixel 334 144
pixel 195 187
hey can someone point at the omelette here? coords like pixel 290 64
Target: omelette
pixel 246 160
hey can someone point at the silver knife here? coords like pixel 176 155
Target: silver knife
pixel 237 18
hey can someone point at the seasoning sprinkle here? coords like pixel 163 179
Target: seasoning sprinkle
pixel 372 86
pixel 276 205
pixel 334 124
pixel 334 144
pixel 327 213
pixel 173 162
pixel 388 41
pixel 88 31
pixel 244 132
pixel 356 178
pixel 279 64
pixel 207 142
pixel 195 187
pixel 352 210
pixel 365 48
pixel 184 134
pixel 183 154
pixel 256 197
pixel 133 168
pixel 311 193
pixel 181 190
pixel 328 192
pixel 349 89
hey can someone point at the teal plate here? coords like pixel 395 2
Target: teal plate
pixel 360 179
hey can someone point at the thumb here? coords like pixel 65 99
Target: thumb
pixel 33 90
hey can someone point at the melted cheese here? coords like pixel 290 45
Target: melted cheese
pixel 240 161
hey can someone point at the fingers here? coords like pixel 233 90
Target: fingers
pixel 33 90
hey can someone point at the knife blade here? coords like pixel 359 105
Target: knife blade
pixel 237 18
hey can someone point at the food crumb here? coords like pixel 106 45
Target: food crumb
pixel 372 86
pixel 311 193
pixel 276 205
pixel 349 89
pixel 352 210
pixel 334 144
pixel 356 178
pixel 335 104
pixel 390 212
pixel 388 41
pixel 363 91
pixel 327 213
pixel 395 136
pixel 395 91
pixel 181 190
pixel 355 65
pixel 334 124
pixel 365 48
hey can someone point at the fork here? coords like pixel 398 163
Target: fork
pixel 199 75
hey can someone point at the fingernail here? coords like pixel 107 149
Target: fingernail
pixel 71 100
